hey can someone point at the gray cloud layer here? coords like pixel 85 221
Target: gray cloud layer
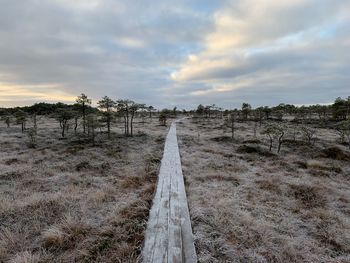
pixel 175 52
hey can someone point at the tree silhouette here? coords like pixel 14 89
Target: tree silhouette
pixel 163 116
pixel 128 109
pixel 83 101
pixel 246 108
pixel 107 105
pixel 21 118
pixel 150 110
pixel 344 129
pixel 274 132
pixel 63 116
pixel 230 122
pixel 200 109
pixel 7 120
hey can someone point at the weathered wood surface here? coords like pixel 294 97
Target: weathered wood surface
pixel 169 234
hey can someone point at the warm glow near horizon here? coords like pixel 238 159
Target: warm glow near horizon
pixel 13 95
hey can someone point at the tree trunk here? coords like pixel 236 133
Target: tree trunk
pixel 233 130
pixel 75 125
pixel 63 129
pixel 35 124
pixel 271 141
pixel 109 128
pixel 84 119
pixel 93 136
pixel 124 124
pixel 131 124
pixel 280 141
pixel 255 128
pixel 127 123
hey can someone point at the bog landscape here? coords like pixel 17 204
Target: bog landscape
pixel 175 131
pixel 269 184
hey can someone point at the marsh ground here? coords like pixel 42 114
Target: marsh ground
pixel 72 201
pixel 248 205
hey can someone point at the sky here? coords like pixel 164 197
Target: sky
pixel 175 53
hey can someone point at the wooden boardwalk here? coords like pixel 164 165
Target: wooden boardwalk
pixel 169 236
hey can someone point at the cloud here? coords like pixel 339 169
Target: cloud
pixel 168 53
pixel 277 48
pixel 97 47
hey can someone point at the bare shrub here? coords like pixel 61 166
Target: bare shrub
pixel 275 132
pixel 308 133
pixel 31 134
pixel 230 122
pixel 344 131
pixel 7 120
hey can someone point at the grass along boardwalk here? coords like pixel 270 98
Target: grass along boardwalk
pixel 169 234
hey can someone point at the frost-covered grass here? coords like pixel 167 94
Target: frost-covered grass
pixel 71 201
pixel 248 205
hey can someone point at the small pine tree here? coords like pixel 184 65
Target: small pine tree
pixel 83 101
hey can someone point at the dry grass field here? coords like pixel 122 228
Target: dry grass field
pixel 250 205
pixel 71 201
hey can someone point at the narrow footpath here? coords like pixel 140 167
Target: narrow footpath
pixel 169 237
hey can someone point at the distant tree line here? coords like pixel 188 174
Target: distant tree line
pixel 81 116
pixel 84 118
pixel 277 121
pixel 338 111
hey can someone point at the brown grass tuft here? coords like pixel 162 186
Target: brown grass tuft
pixel 272 185
pixel 65 234
pixel 220 178
pixel 53 237
pixel 83 166
pixel 335 153
pixel 25 257
pixel 308 195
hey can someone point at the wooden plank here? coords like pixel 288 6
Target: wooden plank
pixel 169 236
